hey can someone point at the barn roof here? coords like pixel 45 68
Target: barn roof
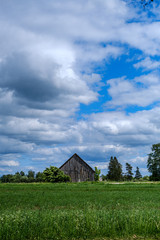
pixel 76 155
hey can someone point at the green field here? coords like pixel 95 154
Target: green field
pixel 79 211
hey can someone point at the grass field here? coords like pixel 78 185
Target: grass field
pixel 79 211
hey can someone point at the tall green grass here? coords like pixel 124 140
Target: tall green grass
pixel 79 211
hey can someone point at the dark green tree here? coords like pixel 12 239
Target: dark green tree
pixel 22 173
pixel 138 174
pixel 153 163
pixel 146 178
pixel 129 173
pixel 104 177
pixel 114 170
pixel 97 174
pixel 24 179
pixel 54 174
pixel 39 177
pixel 16 177
pixel 7 178
pixel 31 175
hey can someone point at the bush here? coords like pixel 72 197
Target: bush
pixel 146 178
pixel 54 174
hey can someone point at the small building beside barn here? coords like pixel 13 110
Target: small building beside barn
pixel 78 169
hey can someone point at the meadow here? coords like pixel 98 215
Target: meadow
pixel 98 211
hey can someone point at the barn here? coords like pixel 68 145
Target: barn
pixel 78 169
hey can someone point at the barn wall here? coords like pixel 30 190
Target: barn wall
pixel 78 170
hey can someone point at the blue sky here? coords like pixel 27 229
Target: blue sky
pixel 78 77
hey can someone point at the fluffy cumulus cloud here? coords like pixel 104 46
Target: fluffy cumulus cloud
pixel 77 77
pixel 141 91
pixel 147 64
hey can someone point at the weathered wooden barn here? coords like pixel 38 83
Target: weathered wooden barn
pixel 78 169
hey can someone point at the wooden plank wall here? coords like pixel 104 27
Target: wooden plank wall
pixel 78 170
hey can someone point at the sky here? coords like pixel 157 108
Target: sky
pixel 78 77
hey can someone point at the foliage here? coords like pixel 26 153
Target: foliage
pixel 22 173
pixel 104 177
pixel 16 177
pixel 146 178
pixel 51 174
pixel 20 177
pixel 97 174
pixel 54 174
pixel 39 177
pixel 31 174
pixel 153 163
pixel 7 178
pixel 129 173
pixel 138 174
pixel 114 170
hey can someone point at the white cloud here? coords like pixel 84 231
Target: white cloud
pixel 139 160
pixel 10 144
pixel 147 64
pixel 9 163
pixel 133 131
pixel 30 168
pixel 141 91
pixel 99 165
pixel 48 53
pixel 4 170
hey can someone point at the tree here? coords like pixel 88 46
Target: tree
pixel 39 177
pixel 24 179
pixel 104 177
pixel 138 174
pixel 153 163
pixel 7 178
pixel 22 173
pixel 114 170
pixel 54 174
pixel 96 174
pixel 146 178
pixel 31 175
pixel 129 173
pixel 16 177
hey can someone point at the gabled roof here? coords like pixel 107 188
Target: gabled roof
pixel 76 155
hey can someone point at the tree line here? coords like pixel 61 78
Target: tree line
pixel 115 173
pixel 153 165
pixel 52 174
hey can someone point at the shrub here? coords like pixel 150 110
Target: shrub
pixel 54 174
